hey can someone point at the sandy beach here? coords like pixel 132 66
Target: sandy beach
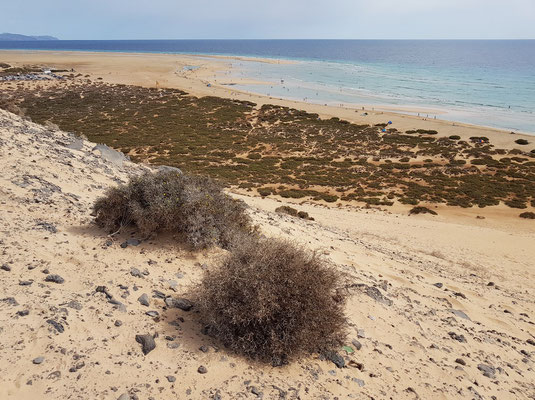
pixel 211 78
pixel 450 315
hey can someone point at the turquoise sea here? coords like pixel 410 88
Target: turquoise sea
pixel 483 82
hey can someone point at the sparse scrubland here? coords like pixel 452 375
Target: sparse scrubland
pixel 276 150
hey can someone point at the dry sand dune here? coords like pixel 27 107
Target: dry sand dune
pixel 438 308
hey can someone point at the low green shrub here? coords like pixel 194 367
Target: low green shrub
pixel 422 210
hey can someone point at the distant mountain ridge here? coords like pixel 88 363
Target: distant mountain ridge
pixel 17 37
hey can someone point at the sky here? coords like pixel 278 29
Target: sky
pixel 271 19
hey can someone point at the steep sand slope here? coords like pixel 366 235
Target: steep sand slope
pixel 411 331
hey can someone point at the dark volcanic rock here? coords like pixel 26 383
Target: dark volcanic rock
pixel 11 301
pixel 54 278
pixel 202 370
pixel 183 304
pixel 460 361
pixel 438 285
pixel 57 326
pixel 47 227
pixel 147 343
pixel 5 267
pixel 459 338
pixel 144 300
pixel 376 294
pixel 336 358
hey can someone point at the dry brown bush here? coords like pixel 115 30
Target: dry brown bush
pixel 272 301
pixel 193 206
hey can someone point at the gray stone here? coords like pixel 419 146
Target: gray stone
pixel 361 334
pixel 144 300
pixel 124 396
pixel 25 283
pixel 359 382
pixel 459 338
pixel 136 272
pixel 38 360
pixel 118 323
pixel 182 304
pixel 438 285
pixel 147 343
pixel 153 314
pixel 460 314
pixel 57 326
pixel 5 267
pixel 173 345
pixel 47 227
pixel 336 358
pixel 171 378
pixel 376 294
pixel 202 370
pixel 54 278
pixel 356 344
pixel 487 370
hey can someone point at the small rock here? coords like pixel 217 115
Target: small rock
pixel 57 326
pixel 359 382
pixel 361 334
pixel 173 345
pixel 136 272
pixel 356 344
pixel 460 314
pixel 25 283
pixel 438 285
pixel 336 358
pixel 23 313
pixel 144 300
pixel 171 378
pixel 157 294
pixel 202 370
pixel 54 278
pixel 147 343
pixel 5 267
pixel 118 323
pixel 459 338
pixel 11 301
pixel 133 242
pixel 204 349
pixel 460 361
pixel 124 396
pixel 490 284
pixel 183 304
pixel 152 314
pixel 38 360
pixel 487 370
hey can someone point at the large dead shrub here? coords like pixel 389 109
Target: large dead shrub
pixel 193 206
pixel 272 301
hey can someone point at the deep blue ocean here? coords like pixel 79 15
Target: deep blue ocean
pixel 484 82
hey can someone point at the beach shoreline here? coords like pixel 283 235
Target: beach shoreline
pixel 213 78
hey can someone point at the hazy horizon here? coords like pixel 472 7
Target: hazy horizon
pixel 239 19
